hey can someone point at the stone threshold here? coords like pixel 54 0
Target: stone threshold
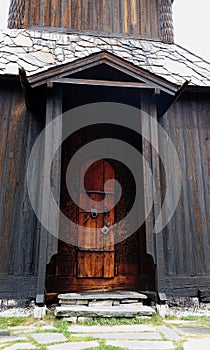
pixel 103 311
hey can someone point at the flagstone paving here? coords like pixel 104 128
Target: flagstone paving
pixel 46 338
pixel 21 346
pixel 143 345
pixel 122 335
pixel 78 337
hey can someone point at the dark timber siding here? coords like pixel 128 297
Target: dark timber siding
pixel 18 224
pixel 187 236
pixel 135 17
pixel 186 239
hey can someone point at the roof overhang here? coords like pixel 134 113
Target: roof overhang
pixel 62 74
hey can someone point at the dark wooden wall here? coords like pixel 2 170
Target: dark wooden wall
pixel 19 231
pixel 187 236
pixel 136 17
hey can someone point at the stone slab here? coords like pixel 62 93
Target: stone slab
pixel 21 346
pixel 169 333
pixel 100 303
pixel 127 301
pixel 48 328
pixel 143 345
pixel 103 295
pixel 70 319
pixel 185 330
pixel 112 311
pixel 197 344
pixel 12 338
pixel 4 333
pixel 73 302
pixel 112 329
pixel 40 312
pixel 74 345
pixel 122 335
pixel 83 319
pixel 46 338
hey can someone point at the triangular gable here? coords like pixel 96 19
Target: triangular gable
pixel 62 74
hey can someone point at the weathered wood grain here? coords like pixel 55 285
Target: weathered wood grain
pixel 129 17
pixel 53 134
pixel 18 224
pixel 186 237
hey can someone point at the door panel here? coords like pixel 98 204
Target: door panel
pixel 95 256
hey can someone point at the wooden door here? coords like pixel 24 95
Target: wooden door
pixel 95 255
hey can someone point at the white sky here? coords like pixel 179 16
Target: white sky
pixel 191 22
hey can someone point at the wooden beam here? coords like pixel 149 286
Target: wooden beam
pixel 166 107
pixel 152 188
pixel 101 83
pixel 26 87
pixel 111 60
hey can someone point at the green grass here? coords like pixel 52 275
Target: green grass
pixel 155 320
pixel 179 345
pixel 62 326
pixel 103 346
pixel 6 322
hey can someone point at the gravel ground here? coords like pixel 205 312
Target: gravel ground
pixel 204 310
pixel 188 312
pixel 16 312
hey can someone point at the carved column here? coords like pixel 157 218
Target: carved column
pixel 166 21
pixel 16 13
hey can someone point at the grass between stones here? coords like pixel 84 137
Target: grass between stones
pixel 179 345
pixel 6 322
pixel 103 346
pixel 154 320
pixel 18 324
pixel 204 320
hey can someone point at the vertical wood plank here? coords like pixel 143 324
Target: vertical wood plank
pixel 34 12
pixel 86 9
pixel 77 14
pixel 126 17
pixel 45 15
pixel 154 19
pixel 108 265
pixel 133 17
pixel 96 16
pixel 55 13
pixel 146 152
pixel 48 244
pixel 147 18
pixel 65 14
pixel 157 198
pixel 26 18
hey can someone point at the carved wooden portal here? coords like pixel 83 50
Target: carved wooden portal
pixel 108 266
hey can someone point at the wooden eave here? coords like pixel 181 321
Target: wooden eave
pixel 62 74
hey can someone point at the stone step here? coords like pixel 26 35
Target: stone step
pixel 122 310
pixel 102 298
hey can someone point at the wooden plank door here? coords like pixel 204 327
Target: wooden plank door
pixel 95 257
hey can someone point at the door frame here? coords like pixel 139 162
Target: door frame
pixel 48 245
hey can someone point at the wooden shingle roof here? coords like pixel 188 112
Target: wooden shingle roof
pixel 38 51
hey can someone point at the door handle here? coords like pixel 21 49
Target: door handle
pixel 94 213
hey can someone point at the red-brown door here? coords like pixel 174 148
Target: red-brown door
pixel 95 255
